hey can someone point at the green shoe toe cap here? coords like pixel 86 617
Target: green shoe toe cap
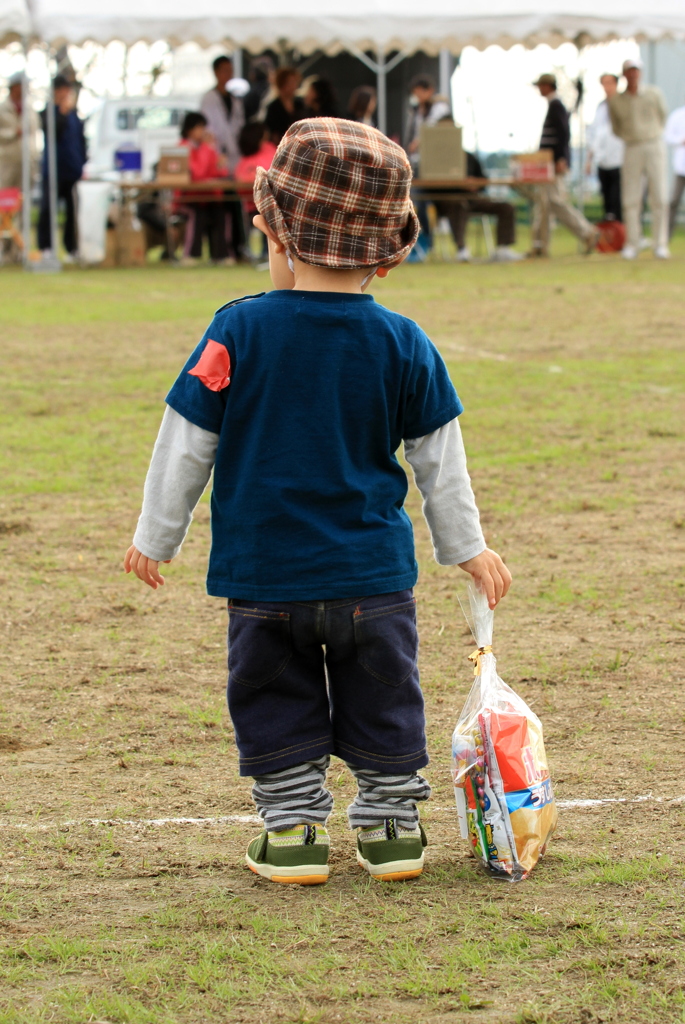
pixel 294 856
pixel 261 851
pixel 386 850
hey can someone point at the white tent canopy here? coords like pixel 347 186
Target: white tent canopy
pixel 378 25
pixel 15 22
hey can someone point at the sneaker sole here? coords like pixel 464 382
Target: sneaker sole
pixel 393 870
pixel 303 875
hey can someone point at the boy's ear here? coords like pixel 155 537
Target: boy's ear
pixel 384 271
pixel 260 223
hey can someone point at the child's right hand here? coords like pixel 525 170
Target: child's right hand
pixel 490 575
pixel 146 569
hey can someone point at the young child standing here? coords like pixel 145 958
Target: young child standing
pixel 299 398
pixel 256 152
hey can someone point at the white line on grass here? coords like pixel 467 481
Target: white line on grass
pixel 251 819
pixel 228 819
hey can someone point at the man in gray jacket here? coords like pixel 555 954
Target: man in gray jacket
pixel 11 135
pixel 638 115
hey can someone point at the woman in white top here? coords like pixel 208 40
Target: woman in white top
pixel 674 134
pixel 224 112
pixel 607 149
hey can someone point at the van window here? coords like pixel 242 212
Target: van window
pixel 149 118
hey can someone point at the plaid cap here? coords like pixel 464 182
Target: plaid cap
pixel 337 195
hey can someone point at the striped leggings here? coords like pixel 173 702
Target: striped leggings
pixel 297 796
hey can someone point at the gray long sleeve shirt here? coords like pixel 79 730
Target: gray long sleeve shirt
pixel 184 455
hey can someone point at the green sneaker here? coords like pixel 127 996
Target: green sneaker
pixel 391 853
pixel 298 855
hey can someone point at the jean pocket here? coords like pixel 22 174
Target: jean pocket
pixel 259 646
pixel 387 642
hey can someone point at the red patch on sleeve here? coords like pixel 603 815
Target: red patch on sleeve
pixel 213 367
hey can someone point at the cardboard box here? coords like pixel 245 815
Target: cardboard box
pixel 173 167
pixel 131 249
pixel 532 167
pixel 130 241
pixel 110 259
pixel 441 154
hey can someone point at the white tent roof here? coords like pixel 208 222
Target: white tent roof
pixel 308 25
pixel 14 21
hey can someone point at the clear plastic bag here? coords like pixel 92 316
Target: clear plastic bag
pixel 502 784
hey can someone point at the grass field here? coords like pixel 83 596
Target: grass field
pixel 112 711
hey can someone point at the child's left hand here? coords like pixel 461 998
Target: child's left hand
pixel 146 569
pixel 489 574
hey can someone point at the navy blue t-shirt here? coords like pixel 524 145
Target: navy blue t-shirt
pixel 308 498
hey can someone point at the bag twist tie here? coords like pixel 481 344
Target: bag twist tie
pixel 476 655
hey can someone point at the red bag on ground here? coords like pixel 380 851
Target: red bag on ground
pixel 612 236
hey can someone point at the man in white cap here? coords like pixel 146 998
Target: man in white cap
pixel 11 132
pixel 638 115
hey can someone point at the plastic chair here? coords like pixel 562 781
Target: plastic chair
pixel 443 244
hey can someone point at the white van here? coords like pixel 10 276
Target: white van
pixel 143 122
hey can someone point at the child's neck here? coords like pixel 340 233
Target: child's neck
pixel 321 279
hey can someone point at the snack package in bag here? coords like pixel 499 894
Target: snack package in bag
pixel 501 780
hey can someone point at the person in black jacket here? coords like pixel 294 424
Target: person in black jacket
pixel 319 98
pixel 551 199
pixel 71 158
pixel 262 72
pixel 287 107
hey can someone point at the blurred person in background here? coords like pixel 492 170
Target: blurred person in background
pixel 675 136
pixel 11 135
pixel 362 105
pixel 550 200
pixel 257 152
pixel 458 213
pixel 262 72
pixel 225 118
pixel 638 116
pixel 224 112
pixel 205 210
pixel 426 108
pixel 288 107
pixel 607 150
pixel 71 158
pixel 319 98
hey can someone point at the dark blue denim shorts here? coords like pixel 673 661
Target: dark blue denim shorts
pixel 309 678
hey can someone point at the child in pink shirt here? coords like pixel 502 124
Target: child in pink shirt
pixel 256 153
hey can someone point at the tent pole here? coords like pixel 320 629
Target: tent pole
pixel 381 83
pixel 26 168
pixel 581 161
pixel 51 143
pixel 50 264
pixel 445 66
pixel 238 62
